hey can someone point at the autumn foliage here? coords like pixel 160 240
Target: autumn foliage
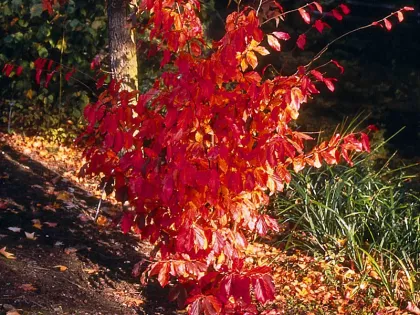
pixel 196 157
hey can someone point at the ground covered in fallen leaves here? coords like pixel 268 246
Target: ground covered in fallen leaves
pixel 54 259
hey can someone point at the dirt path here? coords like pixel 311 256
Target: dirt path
pixel 64 263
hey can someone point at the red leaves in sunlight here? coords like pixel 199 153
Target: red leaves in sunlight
pixel 273 42
pixel 305 15
pixel 387 23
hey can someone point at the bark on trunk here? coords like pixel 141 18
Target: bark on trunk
pixel 122 48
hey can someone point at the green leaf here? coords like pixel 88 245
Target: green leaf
pixel 36 10
pixel 42 51
pixel 16 4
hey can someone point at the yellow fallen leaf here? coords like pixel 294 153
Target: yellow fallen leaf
pixel 61 267
pixel 27 287
pixel 7 254
pixel 13 312
pixel 37 224
pixel 102 220
pixel 63 195
pixel 29 94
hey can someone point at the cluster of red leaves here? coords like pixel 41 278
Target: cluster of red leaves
pixel 197 155
pixel 385 22
pixel 49 5
pixel 50 67
pixel 8 69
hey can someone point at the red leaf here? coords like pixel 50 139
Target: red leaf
pixel 196 307
pixel 225 288
pixel 408 9
pixel 195 49
pixel 337 14
pixel 400 16
pixel 329 84
pixel 127 222
pixel 346 157
pixel 318 75
pixel 163 276
pixel 38 76
pixel 301 41
pixel 345 9
pixel 48 79
pixel 281 35
pixel 318 6
pixel 273 42
pixel 100 81
pixel 19 71
pixel 305 15
pixel 50 63
pixel 200 239
pixel 211 305
pixel 319 25
pixel 264 289
pixel 372 128
pixel 365 142
pixel 7 70
pixel 70 74
pixel 338 66
pixel 388 24
pixel 241 288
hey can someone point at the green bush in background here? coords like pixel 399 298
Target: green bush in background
pixel 72 36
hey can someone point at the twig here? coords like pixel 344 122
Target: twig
pixel 99 203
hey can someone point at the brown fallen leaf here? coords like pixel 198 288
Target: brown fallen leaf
pixel 7 254
pixel 90 270
pixel 83 217
pixel 30 236
pixel 27 287
pixel 51 224
pixel 61 268
pixel 13 312
pixel 70 250
pixel 49 208
pixel 129 301
pixel 14 229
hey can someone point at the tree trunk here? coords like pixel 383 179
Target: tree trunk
pixel 122 47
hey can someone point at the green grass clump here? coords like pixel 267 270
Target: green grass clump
pixel 366 213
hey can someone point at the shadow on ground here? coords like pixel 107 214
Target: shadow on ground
pixel 98 260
